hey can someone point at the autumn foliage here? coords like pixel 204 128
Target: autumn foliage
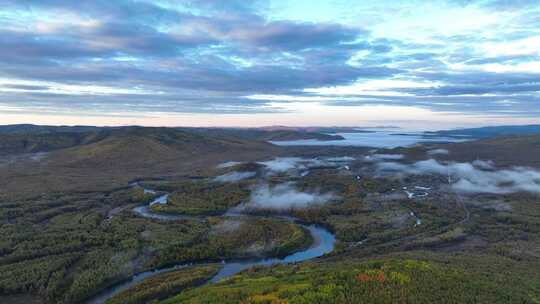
pixel 365 277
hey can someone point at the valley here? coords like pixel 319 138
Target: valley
pixel 269 152
pixel 133 215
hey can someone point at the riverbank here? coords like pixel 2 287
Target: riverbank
pixel 322 243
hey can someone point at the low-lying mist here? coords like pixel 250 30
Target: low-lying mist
pixel 284 164
pixel 438 152
pixel 233 177
pixel 228 164
pixel 381 157
pixel 285 196
pixel 476 177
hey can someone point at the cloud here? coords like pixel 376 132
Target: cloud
pixel 476 177
pixel 164 48
pixel 379 157
pixel 285 196
pixel 204 56
pixel 238 6
pixel 340 159
pixel 502 59
pixel 25 87
pixel 228 164
pixel 284 164
pixel 484 164
pixel 393 166
pixel 504 4
pixel 286 36
pixel 233 177
pixel 438 152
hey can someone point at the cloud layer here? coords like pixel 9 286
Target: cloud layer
pixel 233 177
pixel 195 56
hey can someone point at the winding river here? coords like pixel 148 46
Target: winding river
pixel 323 243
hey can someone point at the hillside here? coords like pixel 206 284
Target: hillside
pixel 27 138
pixel 148 147
pixel 504 151
pixel 376 281
pixel 17 143
pixel 263 134
pixel 112 158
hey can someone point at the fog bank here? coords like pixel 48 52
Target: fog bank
pixel 380 157
pixel 228 164
pixel 284 164
pixel 233 177
pixel 285 196
pixel 438 152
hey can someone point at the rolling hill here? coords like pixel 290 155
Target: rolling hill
pixel 17 143
pixel 266 134
pixel 113 157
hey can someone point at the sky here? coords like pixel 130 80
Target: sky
pixel 415 64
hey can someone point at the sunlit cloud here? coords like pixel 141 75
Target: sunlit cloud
pixel 11 85
pixel 383 87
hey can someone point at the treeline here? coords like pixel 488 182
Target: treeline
pixel 239 238
pixel 165 285
pixel 380 281
pixel 66 247
pixel 203 198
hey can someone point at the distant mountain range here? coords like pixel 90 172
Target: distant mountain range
pixel 28 138
pixel 488 132
pixel 267 134
pixel 301 132
pixel 31 139
pixel 327 129
pixel 29 128
pixel 260 134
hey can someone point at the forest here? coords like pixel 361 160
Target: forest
pixel 69 245
pixel 66 248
